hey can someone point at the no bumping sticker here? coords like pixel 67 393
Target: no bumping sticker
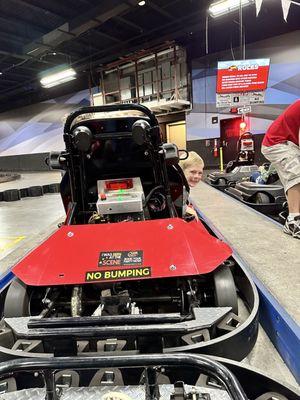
pixel 117 274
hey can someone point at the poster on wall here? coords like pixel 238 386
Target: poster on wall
pixel 240 99
pixel 242 76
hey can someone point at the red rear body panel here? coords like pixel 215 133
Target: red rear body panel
pixel 79 254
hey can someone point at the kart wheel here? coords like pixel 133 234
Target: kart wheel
pixel 16 302
pixel 225 290
pixel 271 396
pixel 262 198
pixel 222 182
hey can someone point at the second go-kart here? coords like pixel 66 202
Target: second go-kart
pixel 264 192
pixel 236 170
pixel 137 377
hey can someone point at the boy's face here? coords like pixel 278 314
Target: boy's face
pixel 194 174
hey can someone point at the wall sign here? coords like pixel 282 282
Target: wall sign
pixel 240 99
pixel 242 76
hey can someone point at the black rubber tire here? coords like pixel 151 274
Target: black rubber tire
pixel 51 188
pixel 222 182
pixel 46 189
pixel 1 196
pixel 261 198
pixel 11 195
pixel 225 290
pixel 16 302
pixel 54 188
pixel 23 193
pixel 271 396
pixel 35 191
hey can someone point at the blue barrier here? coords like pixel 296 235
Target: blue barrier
pixel 282 330
pixel 5 279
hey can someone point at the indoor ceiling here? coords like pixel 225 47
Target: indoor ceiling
pixel 37 35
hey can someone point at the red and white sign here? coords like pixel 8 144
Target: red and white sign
pixel 243 76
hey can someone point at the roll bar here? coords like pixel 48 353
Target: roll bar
pixel 49 366
pixel 108 108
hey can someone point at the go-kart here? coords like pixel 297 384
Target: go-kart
pixel 137 377
pixel 268 198
pixel 263 192
pixel 240 168
pixel 221 180
pixel 129 271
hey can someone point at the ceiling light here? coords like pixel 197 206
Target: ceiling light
pixel 226 6
pixel 58 78
pixel 141 3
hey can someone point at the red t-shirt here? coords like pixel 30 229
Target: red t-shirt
pixel 285 127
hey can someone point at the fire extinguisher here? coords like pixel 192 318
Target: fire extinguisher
pixel 215 152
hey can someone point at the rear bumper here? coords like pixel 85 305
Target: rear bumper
pixel 169 333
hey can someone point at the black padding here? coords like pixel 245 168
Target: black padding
pixel 24 192
pixel 52 188
pixel 45 189
pixel 35 191
pixel 11 195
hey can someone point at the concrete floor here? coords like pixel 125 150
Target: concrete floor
pixel 25 223
pixel 252 236
pixel 273 256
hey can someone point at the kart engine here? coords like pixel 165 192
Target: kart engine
pixel 123 200
pixel 122 298
pixel 120 200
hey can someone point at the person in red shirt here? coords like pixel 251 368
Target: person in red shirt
pixel 281 147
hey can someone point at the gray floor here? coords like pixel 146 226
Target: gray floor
pixel 272 255
pixel 26 222
pixel 33 219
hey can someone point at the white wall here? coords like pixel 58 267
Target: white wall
pixel 283 86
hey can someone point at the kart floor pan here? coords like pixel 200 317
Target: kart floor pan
pixel 96 393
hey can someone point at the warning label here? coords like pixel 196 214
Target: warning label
pixel 118 258
pixel 116 274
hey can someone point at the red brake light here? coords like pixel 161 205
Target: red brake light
pixel 243 125
pixel 121 184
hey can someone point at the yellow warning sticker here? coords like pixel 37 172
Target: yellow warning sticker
pixel 116 274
